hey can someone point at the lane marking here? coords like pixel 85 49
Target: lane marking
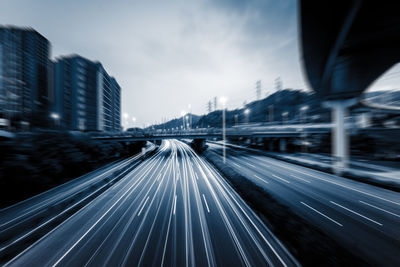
pixel 221 187
pixel 90 229
pixel 394 214
pixel 258 177
pixel 294 176
pixel 213 175
pixel 251 165
pixel 237 165
pixel 338 184
pixel 174 204
pixel 280 178
pixel 320 213
pixel 140 211
pixel 75 190
pixel 205 201
pixel 352 211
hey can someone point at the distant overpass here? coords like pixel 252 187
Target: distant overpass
pixel 380 107
pixel 289 131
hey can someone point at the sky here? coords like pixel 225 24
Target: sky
pixel 167 55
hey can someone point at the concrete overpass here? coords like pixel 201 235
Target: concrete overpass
pixel 347 45
pixel 290 131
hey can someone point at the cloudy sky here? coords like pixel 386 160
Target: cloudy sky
pixel 169 54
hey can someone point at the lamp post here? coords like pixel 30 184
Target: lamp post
pixel 247 113
pixel 303 118
pixel 190 114
pixel 183 113
pixel 56 117
pixel 223 102
pixel 303 113
pixel 126 116
pixel 284 117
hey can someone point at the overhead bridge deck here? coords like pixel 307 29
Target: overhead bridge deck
pixel 210 135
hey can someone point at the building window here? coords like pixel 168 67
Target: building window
pixel 81 124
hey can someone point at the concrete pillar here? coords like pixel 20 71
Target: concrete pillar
pixel 282 145
pixel 340 142
pixel 271 145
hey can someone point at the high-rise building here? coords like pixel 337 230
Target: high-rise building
pixel 86 97
pixel 24 76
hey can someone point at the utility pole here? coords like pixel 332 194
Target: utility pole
pixel 278 84
pixel 209 106
pixel 278 88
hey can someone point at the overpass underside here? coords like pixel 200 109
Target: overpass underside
pixel 346 46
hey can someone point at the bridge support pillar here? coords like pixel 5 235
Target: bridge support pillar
pixel 340 141
pixel 282 144
pixel 271 145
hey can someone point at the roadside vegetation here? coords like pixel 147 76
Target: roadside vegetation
pixel 34 162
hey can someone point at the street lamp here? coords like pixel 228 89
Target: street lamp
pixel 183 113
pixel 126 116
pixel 56 117
pixel 284 117
pixel 303 113
pixel 223 102
pixel 247 113
pixel 303 118
pixel 190 114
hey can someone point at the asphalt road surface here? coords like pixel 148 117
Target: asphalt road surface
pixel 174 209
pixel 364 218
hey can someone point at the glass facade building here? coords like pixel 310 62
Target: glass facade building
pixel 24 75
pixel 86 97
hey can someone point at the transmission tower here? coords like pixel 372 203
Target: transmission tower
pixel 209 106
pixel 258 89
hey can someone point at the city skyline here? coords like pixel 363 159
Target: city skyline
pixel 167 56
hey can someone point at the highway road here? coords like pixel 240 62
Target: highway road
pixel 363 218
pixel 174 209
pixel 25 222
